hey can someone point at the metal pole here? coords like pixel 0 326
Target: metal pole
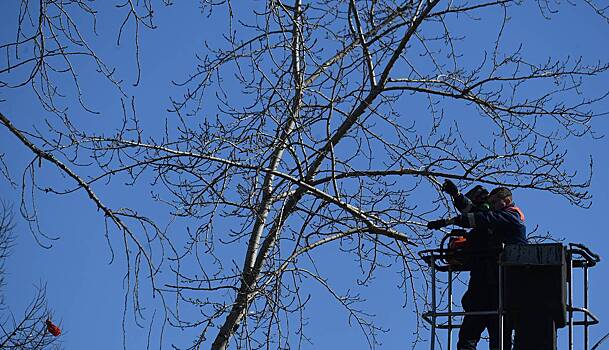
pixel 570 291
pixel 586 306
pixel 450 307
pixel 500 306
pixel 433 302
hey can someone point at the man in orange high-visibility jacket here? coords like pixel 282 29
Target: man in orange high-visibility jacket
pixel 504 223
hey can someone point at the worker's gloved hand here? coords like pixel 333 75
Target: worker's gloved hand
pixel 450 188
pixel 437 224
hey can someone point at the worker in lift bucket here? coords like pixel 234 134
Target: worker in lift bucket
pixel 502 223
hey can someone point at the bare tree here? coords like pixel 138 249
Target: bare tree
pixel 27 332
pixel 315 123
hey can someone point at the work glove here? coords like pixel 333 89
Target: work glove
pixel 450 188
pixel 437 224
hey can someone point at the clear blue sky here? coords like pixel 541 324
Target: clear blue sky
pixel 87 294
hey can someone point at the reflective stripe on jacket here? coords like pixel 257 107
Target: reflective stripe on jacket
pixel 507 224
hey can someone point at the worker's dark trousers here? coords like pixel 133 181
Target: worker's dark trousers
pixel 482 297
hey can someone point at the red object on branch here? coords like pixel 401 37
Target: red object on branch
pixel 53 329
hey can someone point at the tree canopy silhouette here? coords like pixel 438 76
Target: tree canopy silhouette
pixel 304 124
